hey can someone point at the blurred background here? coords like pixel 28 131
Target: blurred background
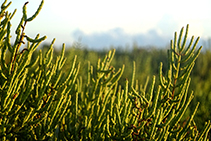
pixel 100 24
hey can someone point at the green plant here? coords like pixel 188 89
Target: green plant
pixel 34 93
pixel 41 102
pixel 137 112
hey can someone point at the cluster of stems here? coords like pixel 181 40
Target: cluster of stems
pixel 41 101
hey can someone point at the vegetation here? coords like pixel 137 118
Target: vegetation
pixel 147 64
pixel 45 96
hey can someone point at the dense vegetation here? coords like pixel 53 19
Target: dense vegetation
pixel 49 94
pixel 147 64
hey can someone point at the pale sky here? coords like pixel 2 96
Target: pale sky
pixel 62 18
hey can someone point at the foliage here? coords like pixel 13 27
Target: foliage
pixel 147 64
pixel 41 99
pixel 34 93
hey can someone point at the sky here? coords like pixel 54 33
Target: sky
pixel 101 23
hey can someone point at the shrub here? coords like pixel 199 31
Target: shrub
pixel 41 101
